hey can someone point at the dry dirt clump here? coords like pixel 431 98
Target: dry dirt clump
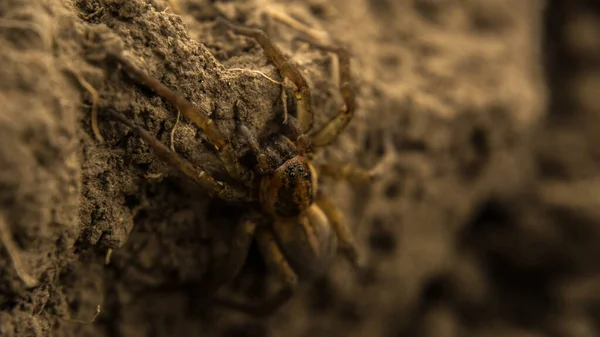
pixel 463 234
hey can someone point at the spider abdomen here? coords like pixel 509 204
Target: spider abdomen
pixel 308 242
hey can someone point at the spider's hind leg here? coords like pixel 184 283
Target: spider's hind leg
pixel 225 270
pixel 347 244
pixel 275 261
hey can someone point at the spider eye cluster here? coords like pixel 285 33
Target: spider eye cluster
pixel 290 189
pixel 297 171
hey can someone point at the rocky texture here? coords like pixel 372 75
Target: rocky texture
pixel 483 222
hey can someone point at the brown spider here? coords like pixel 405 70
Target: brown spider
pixel 300 230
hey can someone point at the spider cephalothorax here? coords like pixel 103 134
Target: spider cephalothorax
pixel 300 230
pixel 290 189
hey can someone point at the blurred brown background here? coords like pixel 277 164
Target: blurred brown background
pixel 485 222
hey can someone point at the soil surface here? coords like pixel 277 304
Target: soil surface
pixel 481 115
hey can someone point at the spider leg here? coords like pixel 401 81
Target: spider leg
pixel 346 172
pixel 302 142
pixel 265 162
pixel 275 261
pixel 347 245
pixel 357 175
pixel 330 131
pixel 215 188
pixel 200 118
pixel 287 69
pixel 225 271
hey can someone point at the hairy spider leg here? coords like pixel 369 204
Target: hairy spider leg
pixel 332 129
pixel 215 188
pixel 302 142
pixel 265 163
pixel 336 219
pixel 201 119
pixel 287 68
pixel 346 172
pixel 276 261
pixel 225 270
pixel 358 175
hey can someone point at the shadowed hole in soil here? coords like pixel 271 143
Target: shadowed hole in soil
pixel 317 10
pixel 10 303
pixel 406 144
pixel 349 312
pixel 393 190
pixel 368 276
pixel 323 296
pixel 593 310
pixel 429 10
pixel 246 330
pixel 480 143
pixel 475 160
pixel 390 60
pixel 381 7
pixel 522 293
pixel 552 168
pixel 132 201
pixel 381 239
pixel 486 21
pixel 374 143
pixel 559 61
pixel 433 291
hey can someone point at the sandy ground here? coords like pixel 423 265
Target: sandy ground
pixel 484 222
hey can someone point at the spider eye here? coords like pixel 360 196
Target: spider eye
pixel 291 174
pixel 300 169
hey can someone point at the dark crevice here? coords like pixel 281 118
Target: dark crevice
pixel 323 296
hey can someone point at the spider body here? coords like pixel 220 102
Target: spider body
pixel 303 231
pixel 300 230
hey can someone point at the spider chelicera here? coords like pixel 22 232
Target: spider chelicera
pixel 298 229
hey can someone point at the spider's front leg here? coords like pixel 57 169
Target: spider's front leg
pixel 215 188
pixel 200 118
pixel 358 175
pixel 287 69
pixel 346 172
pixel 267 162
pixel 330 131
